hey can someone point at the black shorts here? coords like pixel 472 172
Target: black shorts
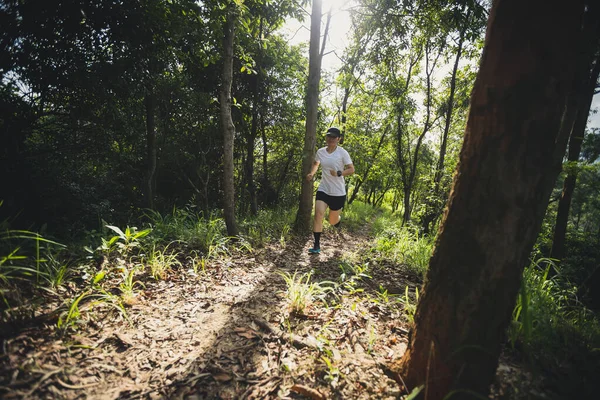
pixel 334 202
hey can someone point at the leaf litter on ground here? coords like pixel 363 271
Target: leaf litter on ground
pixel 229 334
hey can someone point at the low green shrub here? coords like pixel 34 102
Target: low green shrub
pixel 402 245
pixel 552 329
pixel 268 226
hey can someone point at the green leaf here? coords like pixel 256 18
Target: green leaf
pixel 117 230
pixel 99 276
pixel 143 233
pixel 415 392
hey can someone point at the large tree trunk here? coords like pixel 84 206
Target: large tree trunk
pixel 522 112
pixel 303 218
pixel 227 123
pixel 149 104
pixel 575 142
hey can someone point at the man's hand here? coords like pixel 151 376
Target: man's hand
pixel 310 176
pixel 333 172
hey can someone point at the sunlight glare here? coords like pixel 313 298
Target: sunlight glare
pixel 334 5
pixel 339 29
pixel 338 35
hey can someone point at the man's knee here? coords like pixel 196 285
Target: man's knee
pixel 334 218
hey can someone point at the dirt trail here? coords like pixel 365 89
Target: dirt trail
pixel 228 335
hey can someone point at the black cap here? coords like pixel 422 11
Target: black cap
pixel 335 132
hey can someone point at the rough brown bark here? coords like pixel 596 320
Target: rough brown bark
pixel 227 124
pixel 575 143
pixel 303 218
pixel 522 111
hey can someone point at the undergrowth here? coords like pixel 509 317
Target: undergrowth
pixel 359 214
pixel 117 261
pixel 550 327
pixel 401 244
pixel 553 331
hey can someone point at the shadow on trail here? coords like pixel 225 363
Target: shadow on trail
pixel 225 335
pixel 255 351
pixel 244 359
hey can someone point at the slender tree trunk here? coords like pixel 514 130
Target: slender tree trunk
pixel 283 174
pixel 303 218
pixel 150 105
pixel 227 124
pixel 441 160
pixel 410 182
pixel 522 111
pixel 269 194
pixel 434 210
pixel 396 202
pixel 249 165
pixel 251 139
pixel 365 175
pixel 349 68
pixel 575 142
pixel 203 174
pixel 402 154
pixel 382 192
pixel 265 155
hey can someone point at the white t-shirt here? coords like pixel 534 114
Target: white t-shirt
pixel 332 185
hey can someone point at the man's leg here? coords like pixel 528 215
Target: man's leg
pixel 335 217
pixel 335 211
pixel 320 208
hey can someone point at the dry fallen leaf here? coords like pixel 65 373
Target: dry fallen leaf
pixel 246 332
pixel 221 377
pixel 308 392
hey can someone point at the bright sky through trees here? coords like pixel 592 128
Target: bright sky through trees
pixel 339 31
pixel 338 39
pixel 594 121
